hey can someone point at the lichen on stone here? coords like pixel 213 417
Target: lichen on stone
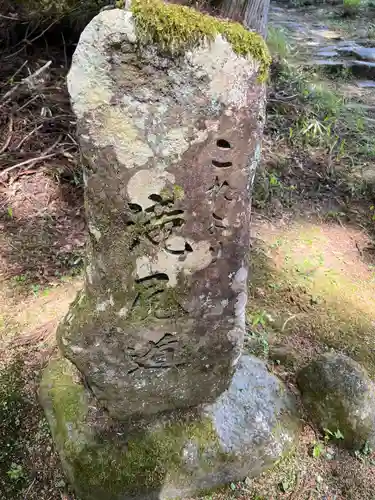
pixel 177 28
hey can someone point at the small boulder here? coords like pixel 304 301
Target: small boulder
pixel 338 393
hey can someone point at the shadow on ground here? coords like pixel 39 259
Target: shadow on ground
pixel 42 229
pixel 29 467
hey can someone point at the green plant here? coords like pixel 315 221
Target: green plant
pixel 337 434
pixel 334 215
pixel 315 130
pixel 351 7
pixel 365 454
pixel 317 449
pixel 258 318
pixel 16 472
pixel 319 446
pixel 286 485
pixel 257 322
pixel 21 278
pixel 273 180
pixel 277 42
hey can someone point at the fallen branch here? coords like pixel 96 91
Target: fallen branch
pixel 22 141
pixel 9 17
pixel 287 321
pixel 29 80
pixel 26 42
pixel 15 73
pixel 9 137
pixel 32 161
pixel 27 162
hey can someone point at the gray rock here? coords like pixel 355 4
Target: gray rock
pixel 327 53
pixel 366 84
pixel 339 394
pixel 160 322
pixel 248 428
pixel 365 53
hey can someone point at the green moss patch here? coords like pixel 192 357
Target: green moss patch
pixel 175 28
pixel 100 460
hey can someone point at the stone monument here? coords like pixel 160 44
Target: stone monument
pixel 151 398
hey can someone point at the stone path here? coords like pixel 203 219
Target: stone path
pixel 317 44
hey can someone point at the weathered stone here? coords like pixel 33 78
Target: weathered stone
pixel 170 145
pixel 171 456
pixel 338 394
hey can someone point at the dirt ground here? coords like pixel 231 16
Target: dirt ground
pixel 312 284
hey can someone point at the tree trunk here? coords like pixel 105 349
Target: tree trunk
pixel 252 13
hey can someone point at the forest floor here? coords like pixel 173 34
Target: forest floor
pixel 312 284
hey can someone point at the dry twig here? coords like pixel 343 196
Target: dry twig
pixel 24 139
pixel 29 81
pixel 27 162
pixel 9 137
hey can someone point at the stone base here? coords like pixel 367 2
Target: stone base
pixel 250 426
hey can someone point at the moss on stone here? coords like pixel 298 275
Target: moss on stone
pixel 140 466
pixel 178 192
pixel 175 28
pixel 67 397
pixel 102 463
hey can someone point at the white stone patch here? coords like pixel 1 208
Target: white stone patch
pixel 174 142
pixel 253 165
pixel 76 349
pixel 123 312
pixel 200 136
pixel 113 126
pixel 102 306
pixel 89 79
pixel 212 125
pixel 175 244
pixel 165 262
pixel 229 74
pixel 199 258
pixel 239 285
pixel 143 267
pixel 89 274
pixel 144 183
pixel 85 178
pixel 94 231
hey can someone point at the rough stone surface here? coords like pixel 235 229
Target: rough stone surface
pixel 170 147
pixel 249 427
pixel 338 394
